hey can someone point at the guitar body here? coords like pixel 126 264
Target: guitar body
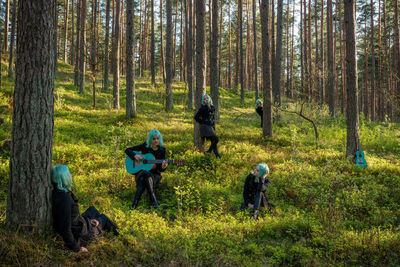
pixel 133 168
pixel 360 159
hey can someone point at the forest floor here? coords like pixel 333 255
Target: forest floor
pixel 328 211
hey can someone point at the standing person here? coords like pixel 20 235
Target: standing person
pixel 149 180
pixel 205 117
pixel 75 229
pixel 254 189
pixel 259 110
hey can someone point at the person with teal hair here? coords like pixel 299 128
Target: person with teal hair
pixel 260 110
pixel 205 116
pixel 254 189
pixel 75 229
pixel 149 180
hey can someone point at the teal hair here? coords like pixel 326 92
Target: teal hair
pixel 263 169
pixel 258 101
pixel 61 177
pixel 209 97
pixel 150 138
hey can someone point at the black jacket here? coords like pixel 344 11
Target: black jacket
pixel 251 188
pixel 67 221
pixel 206 115
pixel 259 110
pixel 158 154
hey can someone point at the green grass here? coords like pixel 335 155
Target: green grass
pixel 328 211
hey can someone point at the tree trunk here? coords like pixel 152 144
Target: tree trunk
pixel 152 48
pixel 169 104
pixel 316 92
pixel 200 66
pixel 266 67
pixel 130 74
pixel 106 49
pixel 66 13
pixel 71 44
pixel 372 95
pixel 331 60
pixel 342 61
pixel 292 54
pixel 365 95
pixel 94 38
pixel 214 59
pixel 277 76
pixel 240 26
pixel 12 39
pixel 5 38
pixel 78 41
pixel 82 49
pixel 189 54
pixel 229 48
pixel 322 64
pixel 162 42
pixel 352 79
pixel 396 44
pixel 115 54
pixel 255 48
pixel 29 191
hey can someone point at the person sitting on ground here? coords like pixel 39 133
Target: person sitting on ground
pixel 148 179
pixel 75 229
pixel 259 110
pixel 254 190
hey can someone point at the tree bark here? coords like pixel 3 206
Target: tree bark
pixel 373 93
pixel 214 59
pixel 78 41
pixel 396 44
pixel 130 74
pixel 169 104
pixel 66 14
pixel 322 64
pixel 82 49
pixel 152 45
pixel 7 14
pixel 277 76
pixel 94 38
pixel 240 26
pixel 229 48
pixel 352 79
pixel 331 60
pixel 365 95
pixel 255 48
pixel 115 54
pixel 106 49
pixel 71 44
pixel 200 66
pixel 12 39
pixel 29 191
pixel 266 67
pixel 189 54
pixel 161 41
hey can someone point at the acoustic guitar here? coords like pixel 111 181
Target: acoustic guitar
pixel 147 163
pixel 360 156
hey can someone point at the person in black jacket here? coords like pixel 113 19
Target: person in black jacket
pixel 254 189
pixel 259 110
pixel 205 117
pixel 148 179
pixel 75 229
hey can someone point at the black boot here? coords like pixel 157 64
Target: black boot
pixel 216 152
pixel 135 204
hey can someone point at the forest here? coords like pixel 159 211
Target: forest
pixel 84 81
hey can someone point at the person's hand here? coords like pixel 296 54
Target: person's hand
pixel 251 206
pixel 94 222
pixel 164 164
pixel 84 250
pixel 138 157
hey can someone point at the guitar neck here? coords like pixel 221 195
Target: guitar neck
pixel 157 161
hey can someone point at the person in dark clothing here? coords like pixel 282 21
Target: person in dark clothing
pixel 254 190
pixel 205 117
pixel 260 110
pixel 148 179
pixel 75 229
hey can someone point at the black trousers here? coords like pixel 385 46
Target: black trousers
pixel 105 224
pixel 214 141
pixel 146 180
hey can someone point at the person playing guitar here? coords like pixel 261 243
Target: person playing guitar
pixel 148 179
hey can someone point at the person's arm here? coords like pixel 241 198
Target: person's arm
pixel 257 200
pixel 162 156
pixel 199 115
pixel 63 222
pixel 131 154
pixel 246 189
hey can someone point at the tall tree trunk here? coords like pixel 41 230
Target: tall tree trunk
pixel 305 53
pixel 214 59
pixel 78 41
pixel 286 84
pixel 169 104
pixel 200 66
pixel 380 103
pixel 301 47
pixel 331 61
pixel 277 72
pixel 237 61
pixel 292 54
pixel 66 14
pixel 342 61
pixel 229 48
pixel 266 67
pixel 255 48
pixel 386 64
pixel 115 54
pixel 396 44
pixel 12 39
pixel 240 26
pixel 322 64
pixel 71 44
pixel 82 57
pixel 130 74
pixel 365 95
pixel 7 14
pixel 310 70
pixel 189 53
pixel 106 49
pixel 29 191
pixel 372 95
pixel 94 38
pixel 316 92
pixel 152 48
pixel 352 83
pixel 162 42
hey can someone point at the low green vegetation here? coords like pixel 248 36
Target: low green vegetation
pixel 328 211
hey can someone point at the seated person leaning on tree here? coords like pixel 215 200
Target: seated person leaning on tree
pixel 76 230
pixel 148 179
pixel 254 189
